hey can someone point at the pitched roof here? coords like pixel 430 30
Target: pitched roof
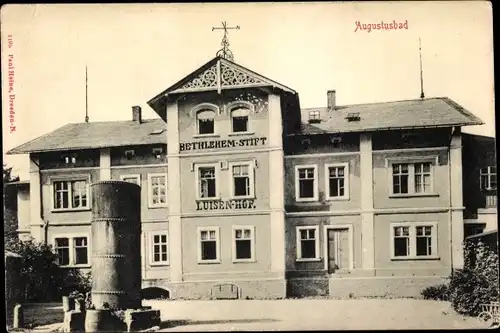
pixel 431 112
pixel 486 233
pixel 97 135
pixel 418 113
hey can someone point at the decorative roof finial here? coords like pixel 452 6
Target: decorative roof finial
pixel 224 52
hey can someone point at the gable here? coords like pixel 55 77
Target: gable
pixel 216 75
pixel 222 75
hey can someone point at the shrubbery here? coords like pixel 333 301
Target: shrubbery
pixel 439 292
pixel 475 284
pixel 42 279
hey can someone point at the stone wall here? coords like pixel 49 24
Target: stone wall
pixel 242 289
pixel 361 287
pixel 382 286
pixel 307 287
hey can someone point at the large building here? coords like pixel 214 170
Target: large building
pixel 245 194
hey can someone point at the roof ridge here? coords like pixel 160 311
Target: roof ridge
pixel 385 102
pixel 37 138
pixel 109 121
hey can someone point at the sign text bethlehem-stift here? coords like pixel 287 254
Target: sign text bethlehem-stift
pixel 215 144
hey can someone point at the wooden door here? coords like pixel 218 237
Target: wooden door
pixel 338 249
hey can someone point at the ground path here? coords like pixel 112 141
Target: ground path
pixel 307 314
pixel 290 314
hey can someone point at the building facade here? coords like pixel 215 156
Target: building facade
pixel 246 195
pixel 480 179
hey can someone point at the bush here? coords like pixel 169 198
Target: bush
pixel 41 276
pixel 477 283
pixel 77 282
pixel 438 293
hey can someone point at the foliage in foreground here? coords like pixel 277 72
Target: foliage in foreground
pixel 41 278
pixel 475 284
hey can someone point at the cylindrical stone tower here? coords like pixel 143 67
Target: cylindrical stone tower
pixel 116 254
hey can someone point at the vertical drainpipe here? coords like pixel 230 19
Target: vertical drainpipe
pixel 450 229
pixel 45 223
pixel 46 231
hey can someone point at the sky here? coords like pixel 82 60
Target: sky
pixel 135 51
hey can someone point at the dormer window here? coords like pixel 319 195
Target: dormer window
pixel 205 122
pixel 314 117
pixel 239 120
pixel 353 116
pixel 157 152
pixel 129 154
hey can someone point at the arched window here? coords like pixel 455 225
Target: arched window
pixel 239 120
pixel 205 121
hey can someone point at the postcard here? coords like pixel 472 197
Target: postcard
pixel 249 166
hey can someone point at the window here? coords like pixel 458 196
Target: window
pixel 243 243
pixel 71 194
pixel 412 178
pixel 307 243
pixel 489 178
pixel 239 120
pixel 159 248
pixel 422 177
pixel 242 180
pixel 62 250
pixel 414 240
pixel 205 122
pixel 353 116
pixel 208 247
pixel 337 181
pixel 134 179
pixel 206 181
pixel 401 241
pixel 400 178
pixel 80 250
pixel 72 251
pixel 314 115
pixel 424 241
pixel 306 184
pixel 157 190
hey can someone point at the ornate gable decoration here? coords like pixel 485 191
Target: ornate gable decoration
pixel 223 75
pixel 234 77
pixel 207 79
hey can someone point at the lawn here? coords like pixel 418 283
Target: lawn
pixel 291 314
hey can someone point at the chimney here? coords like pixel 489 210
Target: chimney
pixel 331 99
pixel 137 114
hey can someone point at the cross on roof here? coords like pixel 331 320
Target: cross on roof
pixel 224 51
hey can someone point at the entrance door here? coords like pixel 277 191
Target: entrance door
pixel 338 249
